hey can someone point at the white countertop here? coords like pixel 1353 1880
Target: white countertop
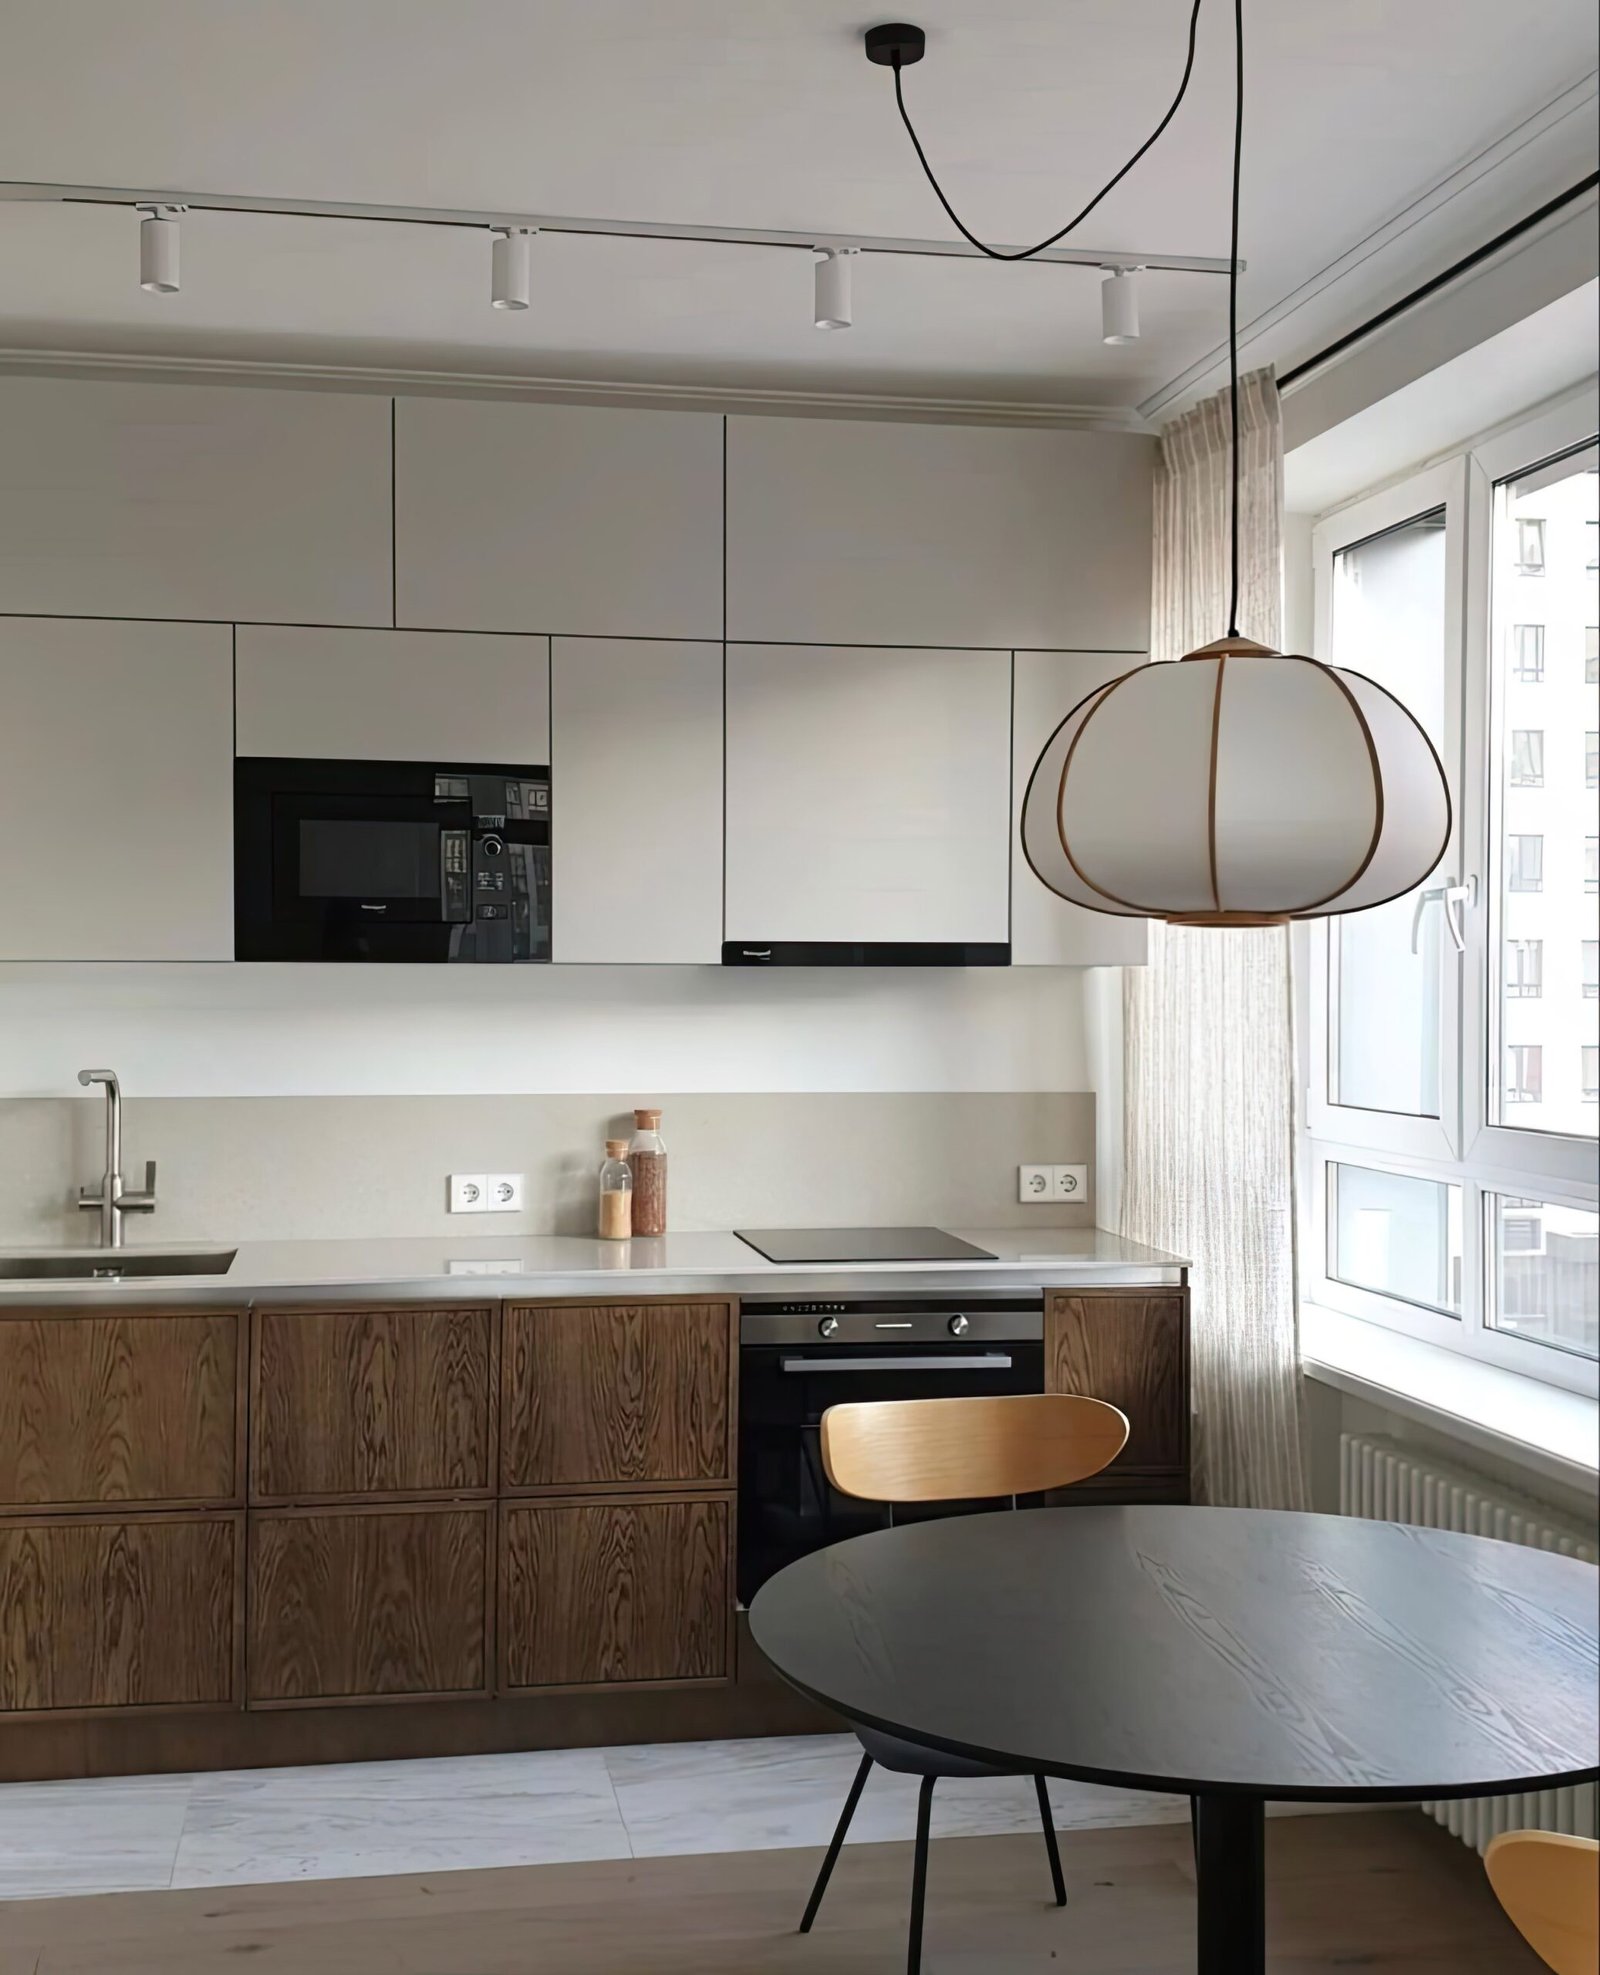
pixel 710 1263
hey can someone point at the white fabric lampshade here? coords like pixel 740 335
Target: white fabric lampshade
pixel 1237 787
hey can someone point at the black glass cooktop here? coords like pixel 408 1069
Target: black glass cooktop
pixel 861 1245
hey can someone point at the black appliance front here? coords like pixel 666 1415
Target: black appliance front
pixel 796 1359
pixel 390 861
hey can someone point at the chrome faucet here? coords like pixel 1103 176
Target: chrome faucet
pixel 108 1198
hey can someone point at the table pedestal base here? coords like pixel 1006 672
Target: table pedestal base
pixel 1230 1863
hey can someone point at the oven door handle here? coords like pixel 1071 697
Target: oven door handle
pixel 987 1361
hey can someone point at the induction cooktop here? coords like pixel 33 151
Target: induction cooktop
pixel 861 1245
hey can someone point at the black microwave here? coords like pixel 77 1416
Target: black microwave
pixel 390 861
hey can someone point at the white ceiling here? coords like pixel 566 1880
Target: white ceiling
pixel 760 113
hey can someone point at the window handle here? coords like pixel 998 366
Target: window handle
pixel 1452 898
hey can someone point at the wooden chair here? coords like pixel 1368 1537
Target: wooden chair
pixel 1550 1887
pixel 946 1450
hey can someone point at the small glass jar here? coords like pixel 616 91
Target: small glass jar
pixel 616 1192
pixel 647 1156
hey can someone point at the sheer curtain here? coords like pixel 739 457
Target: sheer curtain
pixel 1208 1050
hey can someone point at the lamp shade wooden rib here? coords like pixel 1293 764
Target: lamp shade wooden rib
pixel 1236 788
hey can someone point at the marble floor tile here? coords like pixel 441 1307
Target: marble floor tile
pixel 441 1815
pixel 107 1834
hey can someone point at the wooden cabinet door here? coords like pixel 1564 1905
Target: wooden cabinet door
pixel 371 1402
pixel 620 1592
pixel 144 1611
pixel 138 864
pixel 613 1394
pixel 142 1409
pixel 1130 1348
pixel 366 1604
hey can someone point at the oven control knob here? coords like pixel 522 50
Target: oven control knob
pixel 959 1326
pixel 827 1327
pixel 492 846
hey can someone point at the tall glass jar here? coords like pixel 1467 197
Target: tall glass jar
pixel 616 1192
pixel 647 1157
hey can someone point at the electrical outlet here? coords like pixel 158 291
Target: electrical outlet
pixel 467 1195
pixel 1069 1182
pixel 1034 1183
pixel 503 1192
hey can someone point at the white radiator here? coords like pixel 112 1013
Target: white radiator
pixel 1386 1481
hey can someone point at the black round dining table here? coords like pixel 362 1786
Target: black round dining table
pixel 1235 1656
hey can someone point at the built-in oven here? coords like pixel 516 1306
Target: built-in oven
pixel 390 860
pixel 799 1357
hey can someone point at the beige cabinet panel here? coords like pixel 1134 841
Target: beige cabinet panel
pixel 116 790
pixel 842 531
pixel 1046 930
pixel 636 792
pixel 869 794
pixel 561 518
pixel 193 500
pixel 393 695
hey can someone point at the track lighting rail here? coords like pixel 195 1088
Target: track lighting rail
pixel 23 192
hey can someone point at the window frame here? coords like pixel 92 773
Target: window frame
pixel 1488 1162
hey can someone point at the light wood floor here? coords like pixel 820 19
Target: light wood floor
pixel 1381 1892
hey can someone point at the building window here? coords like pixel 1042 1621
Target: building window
pixel 1529 642
pixel 1527 758
pixel 1591 968
pixel 1525 863
pixel 1594 545
pixel 1591 1073
pixel 1530 547
pixel 1520 1233
pixel 1591 654
pixel 1591 864
pixel 1524 1073
pixel 1591 759
pixel 1525 969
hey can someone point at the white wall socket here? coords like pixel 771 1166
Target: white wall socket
pixel 486 1193
pixel 1070 1182
pixel 1035 1183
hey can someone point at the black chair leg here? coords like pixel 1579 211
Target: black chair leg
pixel 1048 1821
pixel 1194 1827
pixel 840 1829
pixel 919 1877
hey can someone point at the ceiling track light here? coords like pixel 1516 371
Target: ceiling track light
pixel 1119 306
pixel 158 249
pixel 510 264
pixel 831 287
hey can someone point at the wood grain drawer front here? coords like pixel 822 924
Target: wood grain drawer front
pixel 371 1402
pixel 617 1394
pixel 613 1592
pixel 142 1612
pixel 368 1604
pixel 112 1408
pixel 1130 1349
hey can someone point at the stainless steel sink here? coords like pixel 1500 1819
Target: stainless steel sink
pixel 114 1264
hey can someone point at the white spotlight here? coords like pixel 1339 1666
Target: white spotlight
pixel 831 307
pixel 508 284
pixel 1119 307
pixel 158 249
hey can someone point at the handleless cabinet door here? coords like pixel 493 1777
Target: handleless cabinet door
pixel 194 500
pixel 116 790
pixel 869 794
pixel 1131 1349
pixel 845 531
pixel 566 518
pixel 393 695
pixel 1045 929
pixel 636 766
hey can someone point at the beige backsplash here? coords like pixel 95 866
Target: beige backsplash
pixel 270 1168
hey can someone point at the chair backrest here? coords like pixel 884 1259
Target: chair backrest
pixel 945 1450
pixel 1550 1886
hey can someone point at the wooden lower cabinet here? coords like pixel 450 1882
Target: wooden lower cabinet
pixel 620 1592
pixel 369 1604
pixel 1130 1348
pixel 128 1613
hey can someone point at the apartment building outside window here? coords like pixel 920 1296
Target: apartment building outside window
pixel 1591 863
pixel 1591 1072
pixel 1524 968
pixel 1527 758
pixel 1529 640
pixel 1524 1073
pixel 1591 759
pixel 1530 547
pixel 1591 655
pixel 1591 969
pixel 1525 863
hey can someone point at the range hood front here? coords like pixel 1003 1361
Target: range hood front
pixel 871 953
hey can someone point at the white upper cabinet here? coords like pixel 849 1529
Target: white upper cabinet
pixel 869 794
pixel 843 531
pixel 116 788
pixel 636 800
pixel 393 695
pixel 190 500
pixel 1046 930
pixel 560 518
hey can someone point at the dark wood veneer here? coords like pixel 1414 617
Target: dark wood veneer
pixel 1130 1348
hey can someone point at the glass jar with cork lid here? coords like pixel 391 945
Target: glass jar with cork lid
pixel 616 1192
pixel 647 1159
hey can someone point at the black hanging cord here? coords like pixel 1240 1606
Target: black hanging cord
pixel 1026 253
pixel 1233 314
